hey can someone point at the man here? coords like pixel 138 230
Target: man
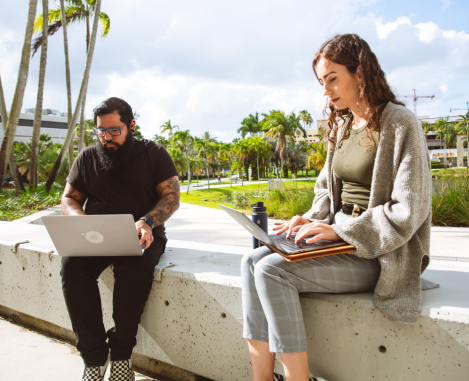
pixel 119 175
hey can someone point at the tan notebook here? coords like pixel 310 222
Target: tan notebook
pixel 344 249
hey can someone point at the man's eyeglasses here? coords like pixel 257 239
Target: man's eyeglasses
pixel 113 131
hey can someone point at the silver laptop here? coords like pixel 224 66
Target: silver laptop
pixel 94 235
pixel 280 242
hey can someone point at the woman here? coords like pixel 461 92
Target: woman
pixel 374 193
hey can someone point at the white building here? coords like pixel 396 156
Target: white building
pixel 52 125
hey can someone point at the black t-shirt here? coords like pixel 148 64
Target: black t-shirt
pixel 129 191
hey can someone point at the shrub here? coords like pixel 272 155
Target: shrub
pixel 450 203
pixel 14 206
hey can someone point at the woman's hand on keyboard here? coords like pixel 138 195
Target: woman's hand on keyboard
pixel 318 230
pixel 293 225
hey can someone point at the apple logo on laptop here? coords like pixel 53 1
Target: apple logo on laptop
pixel 93 236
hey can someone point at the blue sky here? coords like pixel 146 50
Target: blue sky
pixel 206 65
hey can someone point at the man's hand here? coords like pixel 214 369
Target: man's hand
pixel 145 232
pixel 318 229
pixel 293 225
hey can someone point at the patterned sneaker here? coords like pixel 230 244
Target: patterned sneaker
pixel 279 377
pixel 94 373
pixel 122 371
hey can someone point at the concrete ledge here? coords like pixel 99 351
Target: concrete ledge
pixel 193 318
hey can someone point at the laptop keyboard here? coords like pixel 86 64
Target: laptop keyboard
pixel 290 243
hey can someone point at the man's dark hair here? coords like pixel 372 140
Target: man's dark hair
pixel 114 104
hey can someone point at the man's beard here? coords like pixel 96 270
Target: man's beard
pixel 115 160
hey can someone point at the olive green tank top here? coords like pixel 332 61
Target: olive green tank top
pixel 353 163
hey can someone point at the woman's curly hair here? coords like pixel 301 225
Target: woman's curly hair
pixel 373 90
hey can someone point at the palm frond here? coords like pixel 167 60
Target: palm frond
pixel 105 22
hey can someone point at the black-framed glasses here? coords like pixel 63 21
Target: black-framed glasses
pixel 113 131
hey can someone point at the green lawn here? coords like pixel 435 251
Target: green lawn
pixel 451 173
pixel 214 196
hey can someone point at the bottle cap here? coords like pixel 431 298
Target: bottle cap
pixel 259 207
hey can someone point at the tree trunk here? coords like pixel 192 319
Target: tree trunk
pixel 17 103
pixel 67 71
pixel 68 138
pixel 188 173
pixel 258 177
pixel 12 159
pixel 40 96
pixel 208 177
pixel 81 139
pixel 231 175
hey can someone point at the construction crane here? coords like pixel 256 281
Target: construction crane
pixel 415 97
pixel 462 109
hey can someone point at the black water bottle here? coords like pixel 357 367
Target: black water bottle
pixel 259 217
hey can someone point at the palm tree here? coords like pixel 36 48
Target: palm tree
pixel 203 148
pixel 167 126
pixel 280 127
pixel 226 152
pixel 207 136
pixel 306 118
pixel 241 149
pixel 317 156
pixel 426 127
pixel 74 119
pixel 40 93
pixel 17 103
pixel 12 159
pixel 250 125
pixel 441 127
pixel 257 144
pixel 77 11
pixel 184 139
pixel 161 140
pixel 461 124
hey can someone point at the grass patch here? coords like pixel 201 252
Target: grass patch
pixel 14 206
pixel 450 203
pixel 296 198
pixel 455 173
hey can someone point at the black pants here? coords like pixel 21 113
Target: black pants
pixel 133 281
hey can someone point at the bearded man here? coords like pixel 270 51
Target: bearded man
pixel 119 175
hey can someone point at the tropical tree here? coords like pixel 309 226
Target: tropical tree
pixel 282 128
pixel 242 149
pixel 226 152
pixel 184 139
pixel 441 127
pixel 86 74
pixel 306 118
pixel 12 160
pixel 257 144
pixel 250 125
pixel 76 11
pixel 426 127
pixel 317 156
pixel 161 140
pixel 462 125
pixel 203 149
pixel 167 126
pixel 40 93
pixel 207 136
pixel 15 110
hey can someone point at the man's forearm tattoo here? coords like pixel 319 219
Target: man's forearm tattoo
pixel 168 204
pixel 70 204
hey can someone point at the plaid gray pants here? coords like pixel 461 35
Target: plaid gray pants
pixel 271 287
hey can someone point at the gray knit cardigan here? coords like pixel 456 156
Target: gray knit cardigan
pixel 396 227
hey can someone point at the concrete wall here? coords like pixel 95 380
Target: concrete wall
pixel 193 316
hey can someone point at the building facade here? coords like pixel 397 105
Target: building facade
pixel 52 125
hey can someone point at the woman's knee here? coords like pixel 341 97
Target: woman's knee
pixel 269 266
pixel 249 261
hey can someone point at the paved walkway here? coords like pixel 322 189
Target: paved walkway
pixel 29 356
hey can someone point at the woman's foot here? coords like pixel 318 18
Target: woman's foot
pixel 279 377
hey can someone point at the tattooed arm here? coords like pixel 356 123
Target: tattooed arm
pixel 72 201
pixel 168 192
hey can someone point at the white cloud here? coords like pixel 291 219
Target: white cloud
pixel 383 30
pixel 444 88
pixel 447 3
